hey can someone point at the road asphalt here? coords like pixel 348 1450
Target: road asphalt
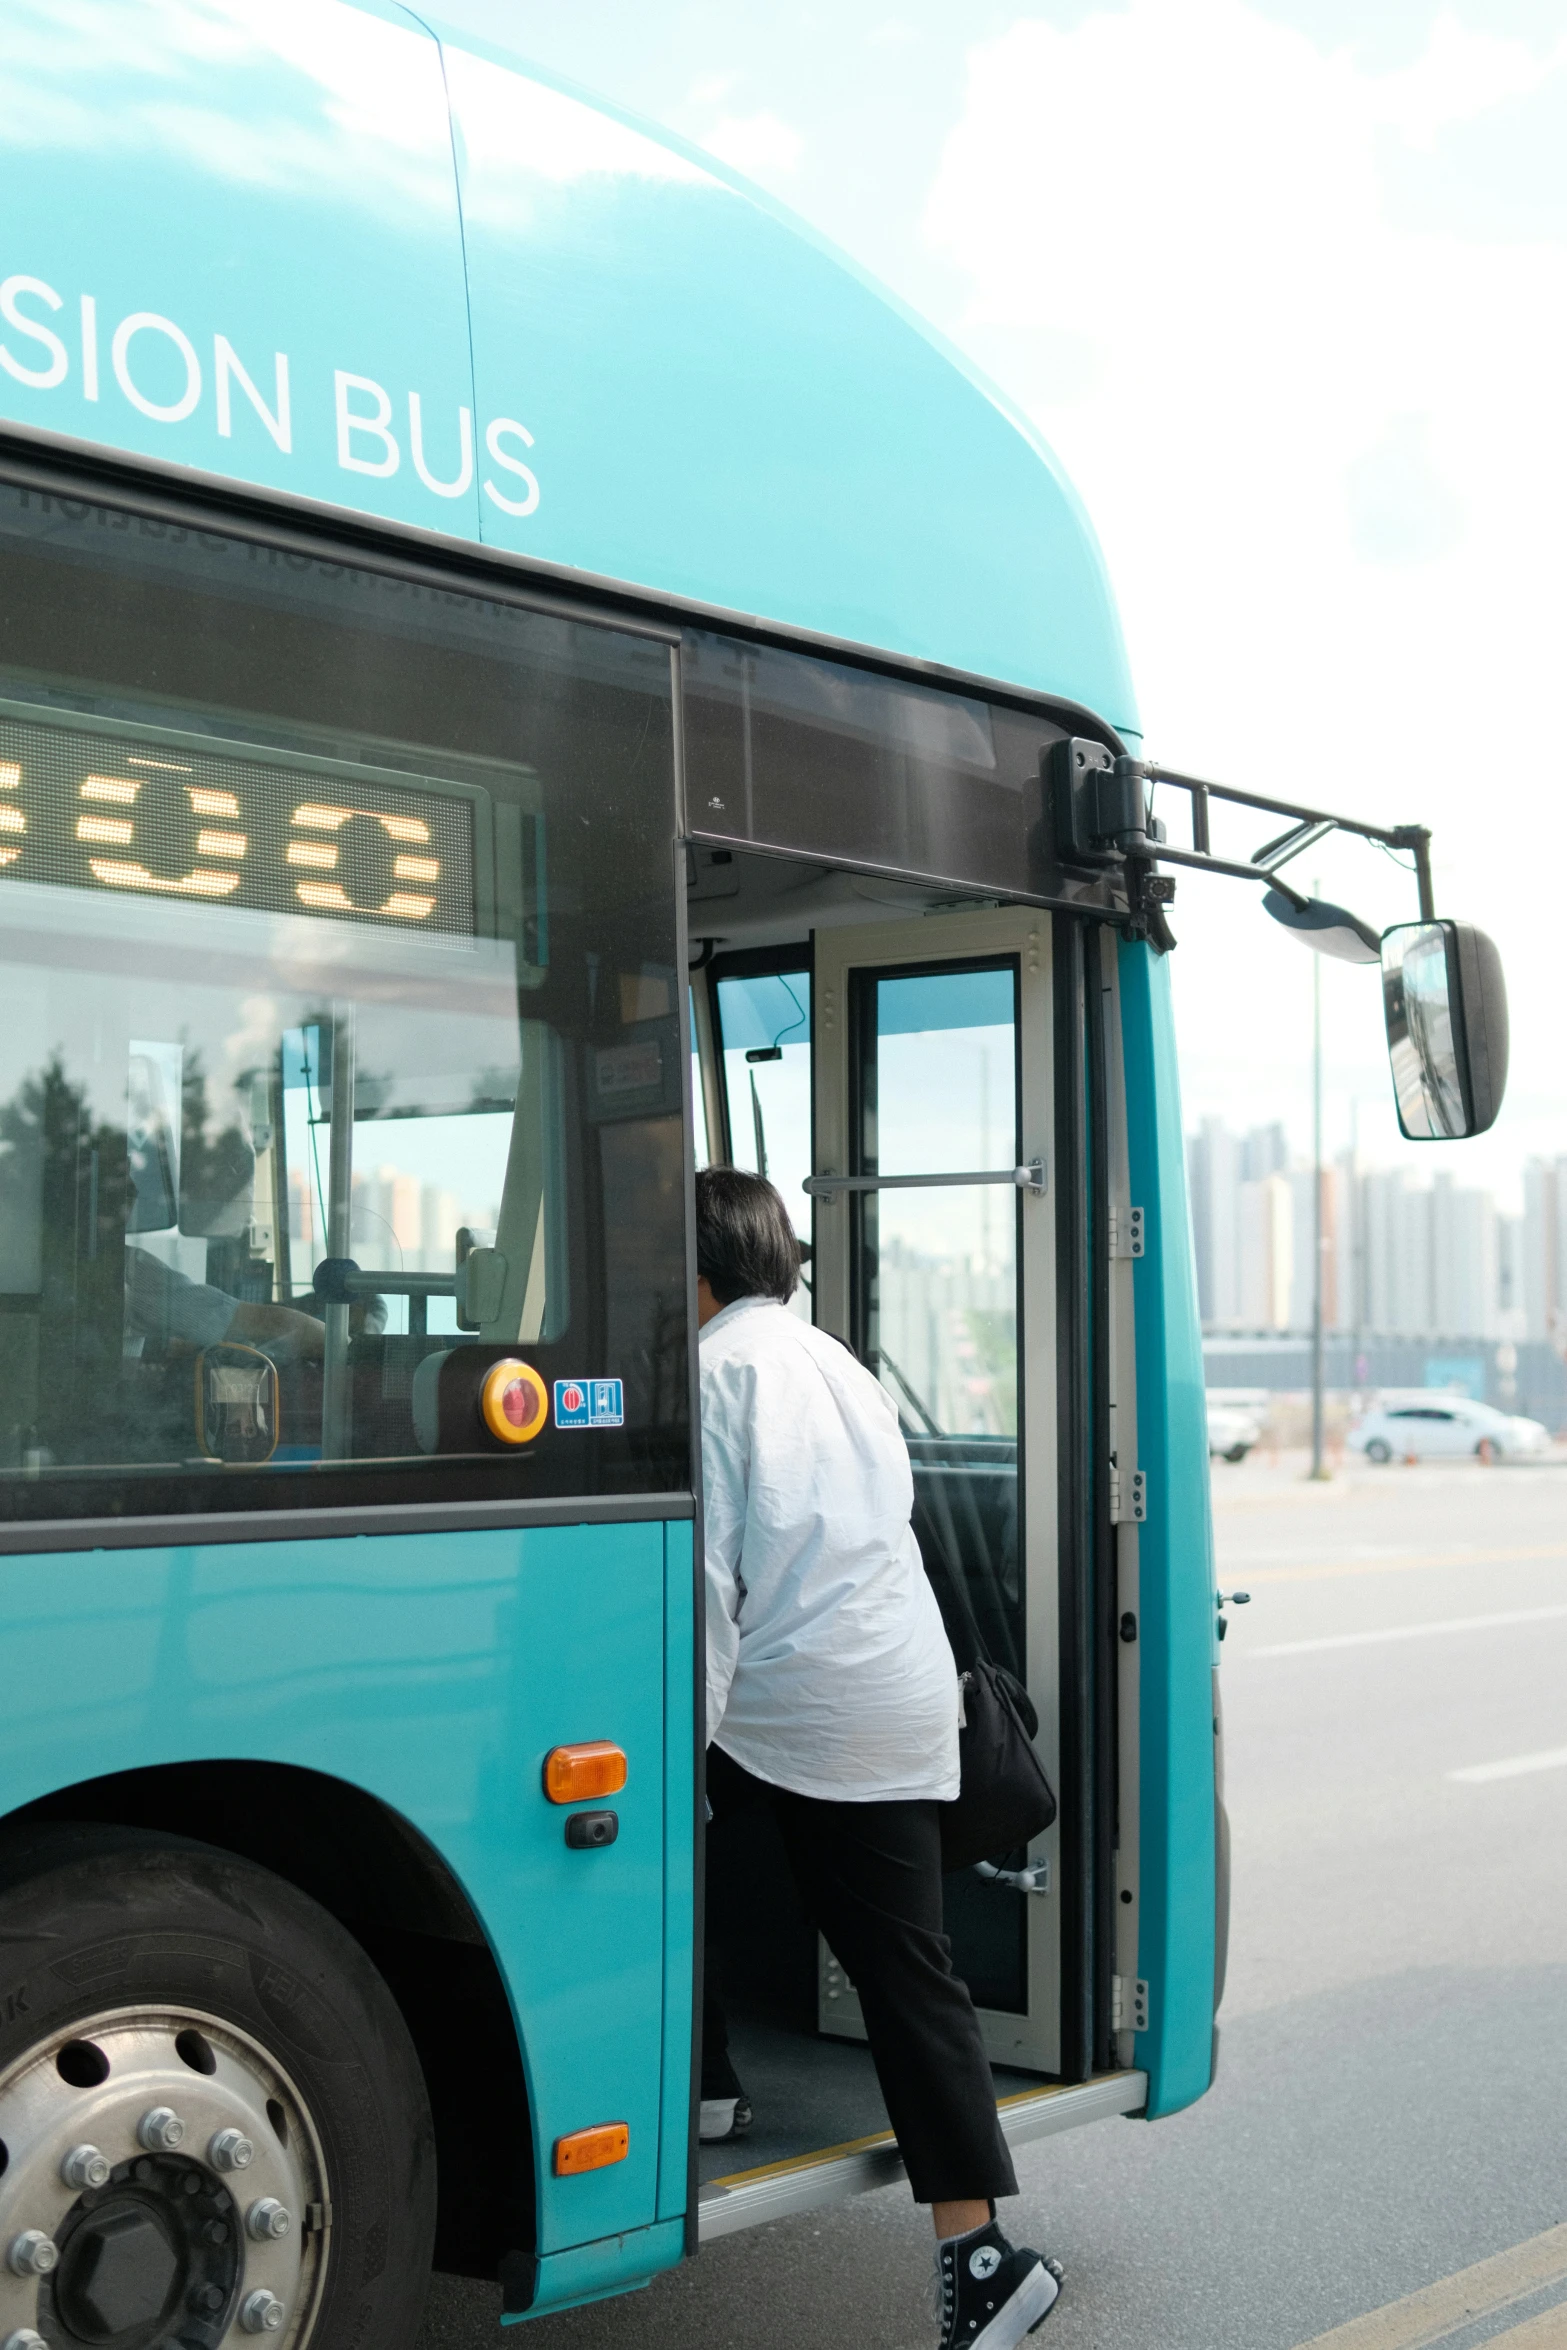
pixel 1394 2049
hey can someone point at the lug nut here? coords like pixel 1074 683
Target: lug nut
pixel 231 2150
pixel 262 2313
pixel 24 2339
pixel 267 2220
pixel 33 2254
pixel 160 2130
pixel 84 2166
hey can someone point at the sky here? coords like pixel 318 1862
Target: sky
pixel 1285 287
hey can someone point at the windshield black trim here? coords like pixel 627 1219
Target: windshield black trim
pixel 48 461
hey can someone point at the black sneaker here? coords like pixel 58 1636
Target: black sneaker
pixel 992 2294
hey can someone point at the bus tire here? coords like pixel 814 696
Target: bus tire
pixel 212 2113
pixel 1379 1452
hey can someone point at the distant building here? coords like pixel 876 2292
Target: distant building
pixel 1543 1250
pixel 1242 1226
pixel 1400 1257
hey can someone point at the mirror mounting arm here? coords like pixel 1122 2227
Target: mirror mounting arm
pixel 1098 804
pixel 1418 838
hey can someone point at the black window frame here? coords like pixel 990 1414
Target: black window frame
pixel 224 1509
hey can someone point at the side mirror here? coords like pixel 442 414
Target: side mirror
pixel 1446 1006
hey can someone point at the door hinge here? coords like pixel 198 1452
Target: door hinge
pixel 1126 1232
pixel 1128 2003
pixel 1128 1497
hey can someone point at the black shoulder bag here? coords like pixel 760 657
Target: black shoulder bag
pixel 1005 1797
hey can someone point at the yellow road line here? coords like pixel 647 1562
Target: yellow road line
pixel 1333 1569
pixel 1548 2331
pixel 1440 2309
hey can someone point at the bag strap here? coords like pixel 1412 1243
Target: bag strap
pixel 957 1612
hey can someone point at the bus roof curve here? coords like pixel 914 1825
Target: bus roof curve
pixel 338 249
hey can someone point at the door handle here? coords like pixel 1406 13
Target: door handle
pixel 1029 1178
pixel 1034 1879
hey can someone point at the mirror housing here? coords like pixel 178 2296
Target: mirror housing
pixel 1325 928
pixel 1445 1003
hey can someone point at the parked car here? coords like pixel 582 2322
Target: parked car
pixel 1233 1428
pixel 1448 1427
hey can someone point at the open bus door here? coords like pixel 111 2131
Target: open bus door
pixel 935 1262
pixel 898 1080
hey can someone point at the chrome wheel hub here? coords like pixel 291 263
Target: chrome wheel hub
pixel 162 2189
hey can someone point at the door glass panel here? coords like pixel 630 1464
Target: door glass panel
pixel 765 1040
pixel 938 1296
pixel 946 1059
pixel 938 1323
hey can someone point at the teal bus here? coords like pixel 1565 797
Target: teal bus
pixel 520 673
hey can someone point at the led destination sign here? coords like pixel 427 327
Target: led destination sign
pixel 148 817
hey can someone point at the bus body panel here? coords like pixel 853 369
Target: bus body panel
pixel 1175 1549
pixel 672 383
pixel 287 188
pixel 435 1671
pixel 723 410
pixel 600 2271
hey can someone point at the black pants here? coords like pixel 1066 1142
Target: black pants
pixel 869 1877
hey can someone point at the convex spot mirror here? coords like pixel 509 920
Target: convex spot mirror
pixel 1446 1006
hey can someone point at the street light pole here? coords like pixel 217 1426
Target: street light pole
pixel 1319 1233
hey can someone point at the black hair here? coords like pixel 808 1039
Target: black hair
pixel 745 1243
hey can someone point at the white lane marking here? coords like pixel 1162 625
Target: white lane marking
pixel 1517 1766
pixel 1521 1615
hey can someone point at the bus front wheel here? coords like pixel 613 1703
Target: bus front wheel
pixel 214 2123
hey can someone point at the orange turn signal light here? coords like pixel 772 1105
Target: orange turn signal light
pixel 576 1774
pixel 593 2149
pixel 514 1401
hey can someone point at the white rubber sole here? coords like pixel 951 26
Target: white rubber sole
pixel 716 2122
pixel 1029 2306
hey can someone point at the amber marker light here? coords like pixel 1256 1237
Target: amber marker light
pixel 578 1774
pixel 514 1401
pixel 593 2149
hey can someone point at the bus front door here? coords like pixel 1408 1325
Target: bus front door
pixel 935 1260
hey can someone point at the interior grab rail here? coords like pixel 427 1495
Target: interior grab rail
pixel 1029 1178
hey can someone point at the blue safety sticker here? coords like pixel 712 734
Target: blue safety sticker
pixel 590 1403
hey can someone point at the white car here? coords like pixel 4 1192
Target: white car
pixel 1233 1428
pixel 1444 1427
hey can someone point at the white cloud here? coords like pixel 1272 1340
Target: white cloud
pixel 1461 74
pixel 711 89
pixel 1324 453
pixel 758 143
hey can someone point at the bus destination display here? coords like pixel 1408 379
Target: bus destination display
pixel 150 818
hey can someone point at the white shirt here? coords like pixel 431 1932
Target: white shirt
pixel 828 1668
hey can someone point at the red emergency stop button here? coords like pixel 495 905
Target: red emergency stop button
pixel 514 1401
